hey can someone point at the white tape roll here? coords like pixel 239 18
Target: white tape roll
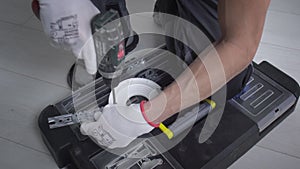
pixel 134 87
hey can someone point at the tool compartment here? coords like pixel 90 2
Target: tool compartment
pixel 236 133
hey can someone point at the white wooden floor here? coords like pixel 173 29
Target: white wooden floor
pixel 33 75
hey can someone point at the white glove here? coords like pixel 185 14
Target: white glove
pixel 117 126
pixel 67 24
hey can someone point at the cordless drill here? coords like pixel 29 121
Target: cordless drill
pixel 109 44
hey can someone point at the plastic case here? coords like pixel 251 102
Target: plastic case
pixel 236 133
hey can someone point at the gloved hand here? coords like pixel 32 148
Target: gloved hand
pixel 116 126
pixel 67 24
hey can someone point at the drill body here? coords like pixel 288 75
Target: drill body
pixel 110 45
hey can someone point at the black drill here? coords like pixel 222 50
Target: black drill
pixel 109 45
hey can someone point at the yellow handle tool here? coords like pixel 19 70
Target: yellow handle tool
pixel 187 121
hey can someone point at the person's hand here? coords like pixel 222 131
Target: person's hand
pixel 67 24
pixel 116 126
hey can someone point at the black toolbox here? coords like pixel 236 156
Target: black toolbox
pixel 236 133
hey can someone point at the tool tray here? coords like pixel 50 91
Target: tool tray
pixel 234 136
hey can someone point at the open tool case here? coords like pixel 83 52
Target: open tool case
pixel 269 97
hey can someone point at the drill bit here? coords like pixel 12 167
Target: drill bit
pixel 114 96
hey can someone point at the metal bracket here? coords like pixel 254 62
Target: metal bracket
pixel 138 156
pixel 71 119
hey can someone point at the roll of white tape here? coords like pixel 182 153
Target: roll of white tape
pixel 134 87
